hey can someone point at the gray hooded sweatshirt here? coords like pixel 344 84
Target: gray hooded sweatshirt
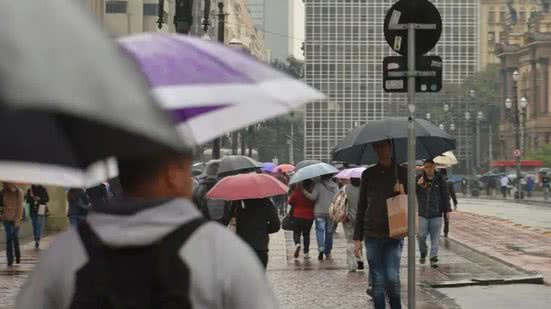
pixel 225 273
pixel 322 195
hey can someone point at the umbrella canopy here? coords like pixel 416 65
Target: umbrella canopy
pixel 211 89
pixel 284 168
pixel 305 163
pixel 247 186
pixel 313 171
pixel 351 173
pixel 267 167
pixel 357 145
pixel 236 164
pixel 447 158
pixel 70 98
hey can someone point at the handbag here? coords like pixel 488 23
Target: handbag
pixel 289 222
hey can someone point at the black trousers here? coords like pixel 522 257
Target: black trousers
pixel 446 224
pixel 303 228
pixel 263 257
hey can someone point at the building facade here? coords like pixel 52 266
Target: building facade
pixel 528 53
pixel 344 50
pixel 498 19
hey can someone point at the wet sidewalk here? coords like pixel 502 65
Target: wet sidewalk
pixel 300 283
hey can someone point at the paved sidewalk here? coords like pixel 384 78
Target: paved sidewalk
pixel 300 283
pixel 529 248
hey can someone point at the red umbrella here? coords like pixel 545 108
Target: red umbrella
pixel 247 186
pixel 285 168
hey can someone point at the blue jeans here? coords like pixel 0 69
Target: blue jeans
pixel 324 234
pixel 37 222
pixel 383 255
pixel 75 220
pixel 12 242
pixel 432 227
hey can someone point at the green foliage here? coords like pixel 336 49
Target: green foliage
pixel 488 86
pixel 543 154
pixel 272 137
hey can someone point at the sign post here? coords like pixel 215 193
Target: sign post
pixel 403 20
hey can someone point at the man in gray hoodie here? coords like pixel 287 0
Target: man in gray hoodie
pixel 222 271
pixel 323 194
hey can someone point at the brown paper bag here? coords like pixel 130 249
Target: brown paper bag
pixel 397 209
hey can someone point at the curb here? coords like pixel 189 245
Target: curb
pixel 530 202
pixel 530 279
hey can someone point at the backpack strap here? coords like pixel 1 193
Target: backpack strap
pixel 176 239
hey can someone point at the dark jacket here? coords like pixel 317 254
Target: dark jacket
pixel 377 186
pixel 451 190
pixel 200 193
pixel 255 219
pixel 78 203
pixel 36 195
pixel 434 198
pixel 98 195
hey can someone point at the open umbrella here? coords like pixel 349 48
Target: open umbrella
pixel 247 186
pixel 284 168
pixel 447 158
pixel 69 98
pixel 351 173
pixel 313 171
pixel 212 89
pixel 357 148
pixel 267 167
pixel 305 163
pixel 236 164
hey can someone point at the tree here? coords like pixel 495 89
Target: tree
pixel 543 154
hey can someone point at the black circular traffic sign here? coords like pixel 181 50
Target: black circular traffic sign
pixel 413 11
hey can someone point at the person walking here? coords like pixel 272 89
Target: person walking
pixel 464 186
pixel 200 200
pixel 492 184
pixel 380 182
pixel 504 181
pixel 453 195
pixel 303 211
pixel 434 202
pixel 150 247
pixel 281 200
pixel 546 185
pixel 352 191
pixel 79 204
pixel 322 195
pixel 255 220
pixel 12 201
pixel 530 185
pixel 37 198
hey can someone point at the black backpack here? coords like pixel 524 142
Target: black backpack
pixel 151 276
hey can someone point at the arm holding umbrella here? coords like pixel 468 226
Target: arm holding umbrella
pixel 273 219
pixel 313 196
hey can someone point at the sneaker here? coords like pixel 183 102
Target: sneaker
pixel 422 260
pixel 434 262
pixel 297 251
pixel 36 245
pixel 361 265
pixel 320 256
pixel 306 256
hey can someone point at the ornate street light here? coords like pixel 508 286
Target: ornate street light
pixel 480 116
pixel 523 103
pixel 467 116
pixel 508 103
pixel 446 108
pixel 441 126
pixel 428 115
pixel 452 127
pixel 516 76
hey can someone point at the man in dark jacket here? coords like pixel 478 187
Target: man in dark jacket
pixel 255 219
pixel 434 202
pixel 379 183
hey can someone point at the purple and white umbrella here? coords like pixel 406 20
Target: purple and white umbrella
pixel 211 89
pixel 351 173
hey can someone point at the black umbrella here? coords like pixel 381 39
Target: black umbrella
pixel 230 165
pixel 69 97
pixel 305 163
pixel 357 145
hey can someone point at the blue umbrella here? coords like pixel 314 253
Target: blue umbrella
pixel 267 167
pixel 313 171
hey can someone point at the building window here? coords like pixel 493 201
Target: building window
pixel 150 9
pixel 116 7
pixel 491 37
pixel 491 17
pixel 503 37
pixel 502 16
pixel 522 17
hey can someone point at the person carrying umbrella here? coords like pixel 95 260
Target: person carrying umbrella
pixel 322 195
pixel 303 211
pixel 434 202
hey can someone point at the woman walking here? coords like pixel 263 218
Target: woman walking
pixel 303 212
pixel 37 197
pixel 12 199
pixel 353 194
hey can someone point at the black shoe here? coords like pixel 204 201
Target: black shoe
pixel 446 235
pixel 297 251
pixel 434 262
pixel 10 264
pixel 36 245
pixel 320 256
pixel 17 260
pixel 369 291
pixel 423 259
pixel 361 265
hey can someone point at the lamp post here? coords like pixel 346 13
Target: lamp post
pixel 479 118
pixel 469 155
pixel 515 109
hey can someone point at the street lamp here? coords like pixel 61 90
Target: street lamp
pixel 441 126
pixel 508 104
pixel 428 115
pixel 468 116
pixel 452 127
pixel 446 108
pixel 516 108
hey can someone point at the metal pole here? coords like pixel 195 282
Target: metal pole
pixel 491 138
pixel 477 143
pixel 292 144
pixel 221 21
pixel 517 136
pixel 412 213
